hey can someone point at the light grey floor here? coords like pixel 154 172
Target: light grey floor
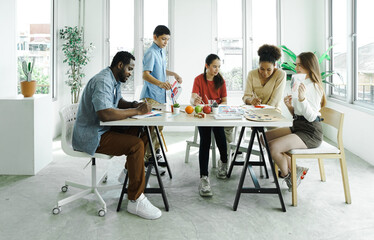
pixel 26 203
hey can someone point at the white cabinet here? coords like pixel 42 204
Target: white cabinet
pixel 25 134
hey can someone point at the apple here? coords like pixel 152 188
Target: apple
pixel 207 109
pixel 198 109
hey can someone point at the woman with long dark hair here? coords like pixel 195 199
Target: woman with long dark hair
pixel 210 85
pixel 306 131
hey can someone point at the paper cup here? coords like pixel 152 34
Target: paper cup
pixel 215 110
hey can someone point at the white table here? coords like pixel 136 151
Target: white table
pixel 183 119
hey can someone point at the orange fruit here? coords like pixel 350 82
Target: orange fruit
pixel 189 109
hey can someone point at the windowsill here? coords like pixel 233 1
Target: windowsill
pixel 352 106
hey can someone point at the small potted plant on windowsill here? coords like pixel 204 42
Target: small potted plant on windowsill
pixel 28 86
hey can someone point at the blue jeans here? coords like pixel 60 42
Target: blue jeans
pixel 205 141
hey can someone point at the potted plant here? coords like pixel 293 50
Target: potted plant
pixel 176 108
pixel 291 66
pixel 76 56
pixel 28 86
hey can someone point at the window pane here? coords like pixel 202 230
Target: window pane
pixel 264 29
pixel 122 38
pixel 339 26
pixel 230 42
pixel 365 45
pixel 34 41
pixel 155 13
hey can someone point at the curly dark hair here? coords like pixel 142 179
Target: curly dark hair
pixel 269 53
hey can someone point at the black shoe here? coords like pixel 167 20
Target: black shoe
pixel 151 159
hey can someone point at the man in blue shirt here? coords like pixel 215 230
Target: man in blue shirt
pixel 102 101
pixel 155 74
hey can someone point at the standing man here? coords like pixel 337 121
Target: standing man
pixel 155 75
pixel 102 101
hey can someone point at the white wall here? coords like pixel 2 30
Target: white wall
pixel 303 25
pixel 192 41
pixel 358 131
pixel 303 29
pixel 8 60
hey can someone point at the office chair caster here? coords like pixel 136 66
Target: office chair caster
pixel 101 213
pixel 56 210
pixel 64 188
pixel 105 179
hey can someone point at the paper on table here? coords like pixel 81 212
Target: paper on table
pixel 150 114
pixel 226 116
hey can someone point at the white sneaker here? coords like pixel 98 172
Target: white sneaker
pixel 204 187
pixel 143 208
pixel 160 171
pixel 222 170
pixel 122 176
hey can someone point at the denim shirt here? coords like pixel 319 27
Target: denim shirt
pixel 101 92
pixel 154 61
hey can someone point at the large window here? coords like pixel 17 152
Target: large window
pixel 155 13
pixel 353 51
pixel 230 42
pixel 264 28
pixel 365 52
pixel 239 35
pixel 122 35
pixel 338 39
pixel 34 41
pixel 132 22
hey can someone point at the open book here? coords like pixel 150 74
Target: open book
pixel 150 114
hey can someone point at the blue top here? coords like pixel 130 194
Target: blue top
pixel 154 61
pixel 101 92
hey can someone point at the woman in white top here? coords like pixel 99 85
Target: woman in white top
pixel 306 131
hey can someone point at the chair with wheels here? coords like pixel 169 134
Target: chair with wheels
pixel 194 143
pixel 334 119
pixel 68 117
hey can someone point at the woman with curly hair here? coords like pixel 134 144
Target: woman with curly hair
pixel 265 85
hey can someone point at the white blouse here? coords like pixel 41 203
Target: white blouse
pixel 310 107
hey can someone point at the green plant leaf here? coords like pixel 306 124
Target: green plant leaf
pixel 289 53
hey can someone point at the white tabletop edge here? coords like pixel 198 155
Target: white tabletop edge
pixel 188 120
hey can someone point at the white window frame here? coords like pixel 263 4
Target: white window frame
pixel 138 38
pixel 352 57
pixel 247 53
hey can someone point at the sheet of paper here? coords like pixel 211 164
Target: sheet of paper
pixel 150 114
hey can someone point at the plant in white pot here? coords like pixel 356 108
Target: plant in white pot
pixel 76 56
pixel 28 86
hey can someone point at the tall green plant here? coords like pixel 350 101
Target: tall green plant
pixel 76 56
pixel 291 64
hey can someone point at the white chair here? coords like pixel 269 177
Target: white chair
pixel 325 151
pixel 194 143
pixel 68 117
